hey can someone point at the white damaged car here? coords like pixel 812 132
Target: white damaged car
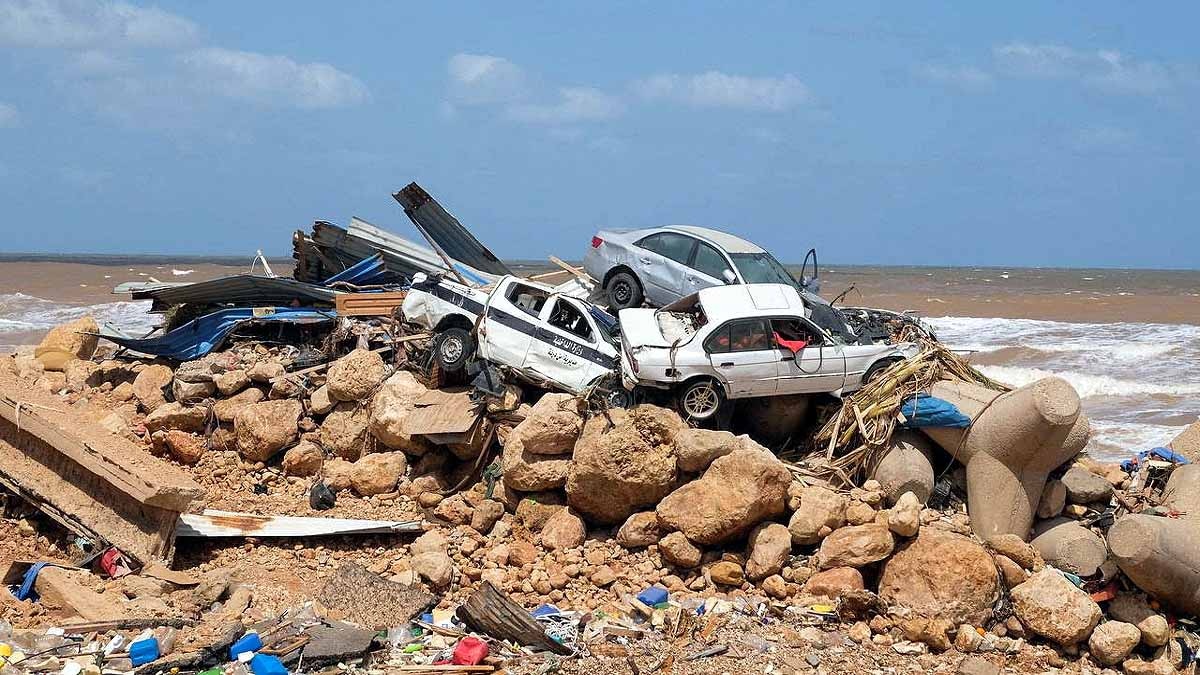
pixel 543 337
pixel 743 341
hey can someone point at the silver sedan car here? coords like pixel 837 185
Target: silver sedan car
pixel 662 264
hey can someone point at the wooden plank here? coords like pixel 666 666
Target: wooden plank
pixel 443 412
pixel 369 304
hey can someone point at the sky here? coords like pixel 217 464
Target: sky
pixel 938 133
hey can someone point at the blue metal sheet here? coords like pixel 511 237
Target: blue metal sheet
pixel 200 336
pixel 370 270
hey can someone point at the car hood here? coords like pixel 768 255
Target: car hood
pixel 639 327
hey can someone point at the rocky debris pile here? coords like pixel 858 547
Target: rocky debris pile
pixel 585 509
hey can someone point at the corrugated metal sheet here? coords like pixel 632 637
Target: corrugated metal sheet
pixel 241 289
pixel 444 230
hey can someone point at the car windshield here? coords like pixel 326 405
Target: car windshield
pixel 761 268
pixel 609 328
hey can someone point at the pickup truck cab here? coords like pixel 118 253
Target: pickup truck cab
pixel 545 338
pixel 743 341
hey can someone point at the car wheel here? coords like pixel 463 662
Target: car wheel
pixel 624 291
pixel 700 399
pixel 877 368
pixel 453 347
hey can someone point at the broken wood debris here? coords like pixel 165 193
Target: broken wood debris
pixel 490 612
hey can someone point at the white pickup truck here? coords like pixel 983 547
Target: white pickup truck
pixel 546 338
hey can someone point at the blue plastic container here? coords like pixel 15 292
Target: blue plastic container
pixel 653 596
pixel 250 642
pixel 265 664
pixel 143 651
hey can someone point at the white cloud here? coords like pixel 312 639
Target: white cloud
pixel 967 78
pixel 1105 70
pixel 88 23
pixel 575 104
pixel 9 116
pixel 721 90
pixel 478 79
pixel 268 79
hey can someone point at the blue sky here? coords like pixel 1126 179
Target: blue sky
pixel 895 133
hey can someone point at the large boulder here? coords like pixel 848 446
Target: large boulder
pixel 832 583
pixel 149 384
pixel 552 425
pixel 265 428
pixel 676 550
pixel 1112 641
pixel 169 416
pixel 563 530
pixel 528 472
pixel 356 375
pixel 821 512
pixel 67 342
pixel 856 546
pixel 344 431
pixel 737 492
pixel 619 468
pixel 303 459
pixel 942 575
pixel 1051 606
pixel 640 529
pixel 378 473
pixel 390 408
pixel 769 546
pixel 226 410
pixel 695 449
pixel 231 382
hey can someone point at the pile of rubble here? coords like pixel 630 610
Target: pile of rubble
pixel 585 508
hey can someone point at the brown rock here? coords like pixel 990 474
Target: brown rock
pixel 1054 499
pixel 521 553
pixel 185 448
pixel 942 575
pixel 904 518
pixel 231 382
pixel 834 582
pixel 227 409
pixel 678 551
pixel 552 425
pixel 1017 550
pixel 390 408
pixel 1113 641
pixel 640 529
pixel 303 459
pixel 775 586
pixel 455 510
pixel 1012 573
pixel 695 449
pixel 319 402
pixel 191 392
pixel 1054 608
pixel 355 376
pixel 337 472
pixel 619 469
pixel 287 387
pixel 769 546
pixel 563 530
pixel 819 508
pixel 344 431
pixel 1134 609
pixel 486 514
pixel 177 416
pixel 726 573
pixel 435 567
pixel 378 473
pixel 737 492
pixel 265 371
pixel 265 428
pixel 81 374
pixel 856 546
pixel 528 472
pixel 67 342
pixel 534 511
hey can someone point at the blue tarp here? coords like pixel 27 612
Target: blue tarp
pixel 924 410
pixel 200 336
pixel 362 273
pixel 1164 454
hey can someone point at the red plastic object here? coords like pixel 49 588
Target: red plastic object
pixel 1107 593
pixel 470 651
pixel 596 241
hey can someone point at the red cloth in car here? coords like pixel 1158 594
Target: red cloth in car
pixel 794 346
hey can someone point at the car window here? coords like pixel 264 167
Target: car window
pixel 710 261
pixel 740 336
pixel 568 317
pixel 795 330
pixel 677 247
pixel 527 297
pixel 761 268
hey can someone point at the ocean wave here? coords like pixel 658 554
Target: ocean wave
pixel 24 313
pixel 1088 384
pixel 1116 441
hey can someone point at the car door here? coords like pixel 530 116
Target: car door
pixel 707 268
pixel 744 356
pixel 564 347
pixel 808 363
pixel 661 261
pixel 510 322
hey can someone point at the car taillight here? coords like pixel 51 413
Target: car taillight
pixel 596 241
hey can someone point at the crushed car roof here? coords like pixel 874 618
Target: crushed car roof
pixel 735 301
pixel 729 242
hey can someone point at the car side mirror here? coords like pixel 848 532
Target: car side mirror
pixel 728 276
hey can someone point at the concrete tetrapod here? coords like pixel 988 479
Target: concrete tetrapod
pixel 1015 440
pixel 1162 555
pixel 906 467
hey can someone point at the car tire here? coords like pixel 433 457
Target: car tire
pixel 452 348
pixel 624 291
pixel 877 368
pixel 700 400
